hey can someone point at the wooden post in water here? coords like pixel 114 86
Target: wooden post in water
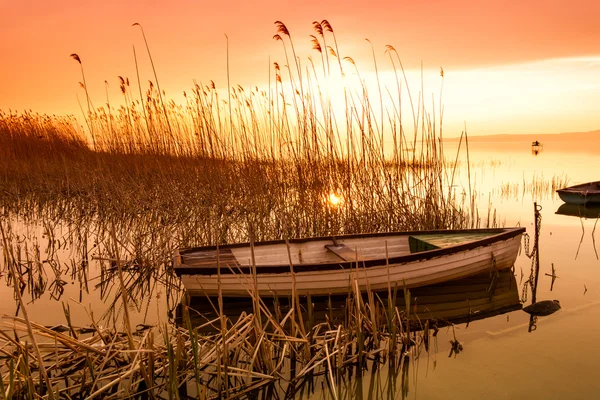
pixel 536 248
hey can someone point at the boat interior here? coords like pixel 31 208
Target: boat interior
pixel 326 250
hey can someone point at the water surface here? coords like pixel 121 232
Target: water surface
pixel 503 356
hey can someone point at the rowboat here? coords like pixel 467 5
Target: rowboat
pixel 337 265
pixel 584 193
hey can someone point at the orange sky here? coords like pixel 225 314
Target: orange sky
pixel 510 67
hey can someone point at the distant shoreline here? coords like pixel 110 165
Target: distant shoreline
pixel 579 137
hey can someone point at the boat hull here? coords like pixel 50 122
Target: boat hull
pixel 415 270
pixel 586 193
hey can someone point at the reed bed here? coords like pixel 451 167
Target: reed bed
pixel 243 360
pixel 276 352
pixel 273 352
pixel 537 187
pixel 266 351
pixel 148 176
pixel 271 156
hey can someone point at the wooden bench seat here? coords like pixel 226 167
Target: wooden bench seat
pixel 344 252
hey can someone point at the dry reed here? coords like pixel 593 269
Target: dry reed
pixel 152 175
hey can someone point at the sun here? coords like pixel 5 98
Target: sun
pixel 334 199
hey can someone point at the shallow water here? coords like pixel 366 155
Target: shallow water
pixel 81 292
pixel 502 356
pixel 505 357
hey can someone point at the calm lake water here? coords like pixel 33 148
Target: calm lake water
pixel 502 357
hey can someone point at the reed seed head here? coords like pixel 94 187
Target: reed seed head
pixel 327 26
pixel 318 27
pixel 76 58
pixel 281 28
pixel 315 43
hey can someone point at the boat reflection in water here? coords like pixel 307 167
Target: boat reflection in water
pixel 358 357
pixel 591 210
pixel 468 299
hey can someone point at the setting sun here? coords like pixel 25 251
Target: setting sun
pixel 334 199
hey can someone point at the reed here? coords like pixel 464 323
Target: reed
pixel 232 352
pixel 537 187
pixel 151 175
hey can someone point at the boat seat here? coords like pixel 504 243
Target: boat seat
pixel 344 252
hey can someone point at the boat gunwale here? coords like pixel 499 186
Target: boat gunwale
pixel 502 234
pixel 580 188
pixel 581 185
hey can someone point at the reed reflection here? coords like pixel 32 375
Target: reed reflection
pixel 347 344
pixel 583 212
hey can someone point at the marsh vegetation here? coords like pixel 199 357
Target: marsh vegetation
pixel 104 205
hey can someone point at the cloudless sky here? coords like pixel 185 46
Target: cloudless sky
pixel 510 66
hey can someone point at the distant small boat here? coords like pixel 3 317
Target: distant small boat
pixel 536 147
pixel 591 210
pixel 586 193
pixel 337 265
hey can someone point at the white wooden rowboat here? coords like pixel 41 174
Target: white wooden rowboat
pixel 335 265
